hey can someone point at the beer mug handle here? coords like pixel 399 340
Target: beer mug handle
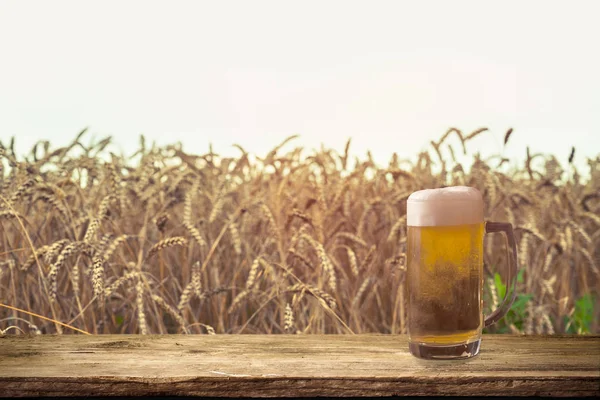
pixel 509 297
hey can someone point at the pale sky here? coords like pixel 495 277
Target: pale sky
pixel 390 74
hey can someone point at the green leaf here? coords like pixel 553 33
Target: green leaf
pixel 520 275
pixel 581 319
pixel 503 329
pixel 521 302
pixel 500 287
pixel 583 315
pixel 119 319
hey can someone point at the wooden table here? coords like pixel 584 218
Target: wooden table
pixel 291 366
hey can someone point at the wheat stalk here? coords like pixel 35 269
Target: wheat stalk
pixel 139 300
pixel 171 311
pixel 352 261
pixel 289 319
pixel 326 264
pixel 253 273
pixel 98 277
pixel 360 292
pixel 166 243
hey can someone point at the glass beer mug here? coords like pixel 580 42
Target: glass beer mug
pixel 445 272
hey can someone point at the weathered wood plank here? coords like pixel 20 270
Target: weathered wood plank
pixel 291 366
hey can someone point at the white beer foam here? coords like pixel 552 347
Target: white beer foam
pixel 455 205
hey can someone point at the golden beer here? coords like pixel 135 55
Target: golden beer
pixel 445 281
pixel 445 272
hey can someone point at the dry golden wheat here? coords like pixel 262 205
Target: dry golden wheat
pixel 289 319
pixel 141 313
pixel 166 243
pixel 171 311
pixel 81 235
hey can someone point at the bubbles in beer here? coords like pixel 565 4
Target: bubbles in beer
pixel 445 281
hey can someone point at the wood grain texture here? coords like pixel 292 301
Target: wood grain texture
pixel 291 366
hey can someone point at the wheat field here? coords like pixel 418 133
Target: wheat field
pixel 294 242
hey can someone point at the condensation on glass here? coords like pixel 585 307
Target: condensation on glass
pixel 445 272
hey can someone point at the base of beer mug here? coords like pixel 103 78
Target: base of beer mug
pixel 445 352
